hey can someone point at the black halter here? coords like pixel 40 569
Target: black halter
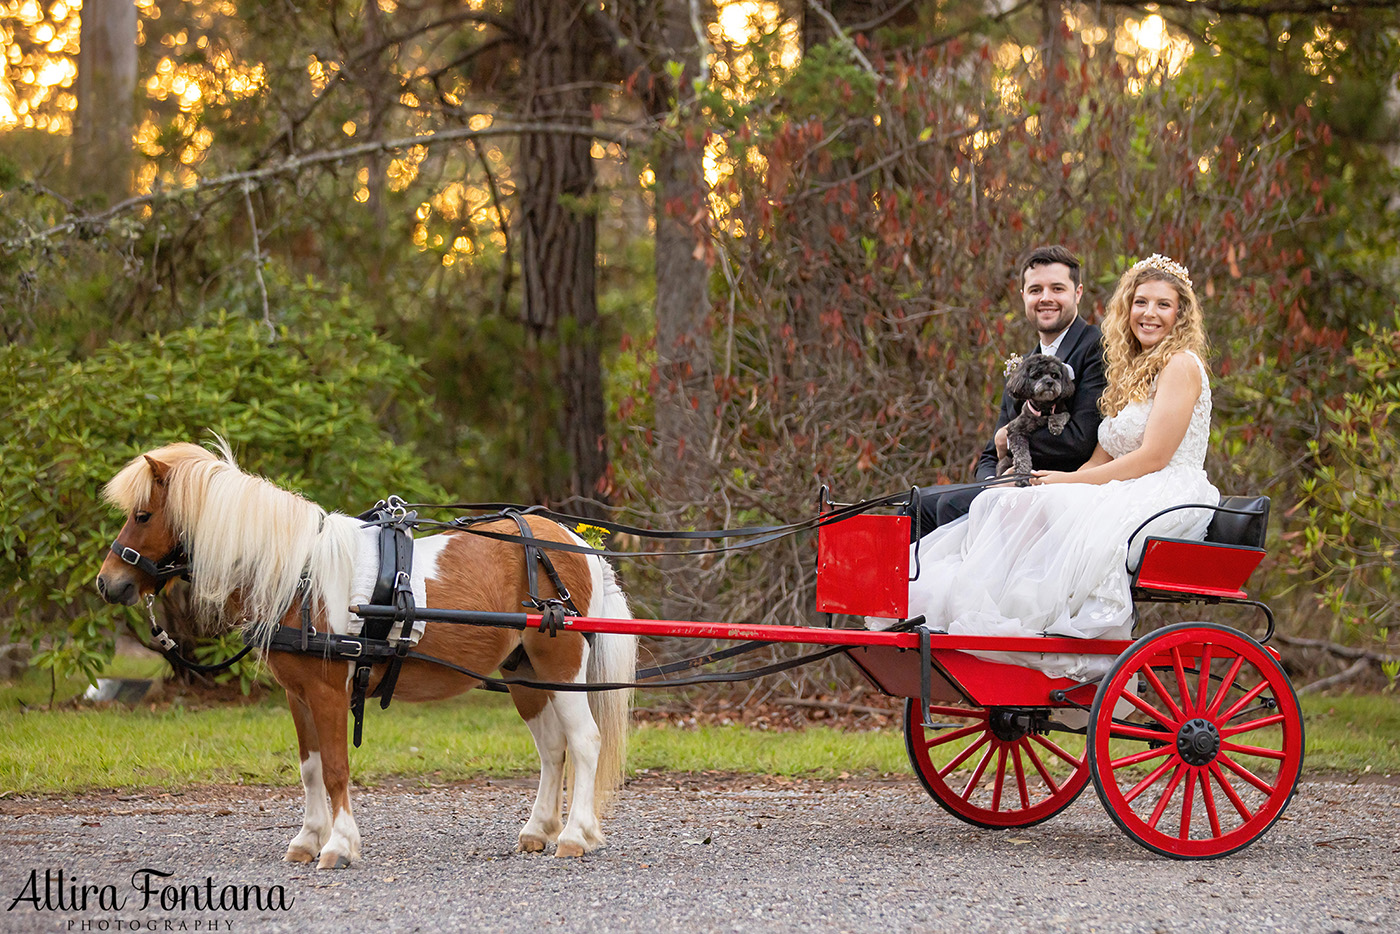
pixel 175 563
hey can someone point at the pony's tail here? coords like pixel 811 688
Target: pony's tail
pixel 613 658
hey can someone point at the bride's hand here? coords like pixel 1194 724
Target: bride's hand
pixel 1040 477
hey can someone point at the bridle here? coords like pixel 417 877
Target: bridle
pixel 175 563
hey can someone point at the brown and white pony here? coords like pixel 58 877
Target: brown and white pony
pixel 248 543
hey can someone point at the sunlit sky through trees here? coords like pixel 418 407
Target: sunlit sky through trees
pixel 199 73
pixel 40 43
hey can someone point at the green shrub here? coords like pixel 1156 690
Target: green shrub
pixel 1351 535
pixel 307 409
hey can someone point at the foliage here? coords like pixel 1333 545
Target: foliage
pixel 307 408
pixel 871 205
pixel 1351 496
pixel 869 293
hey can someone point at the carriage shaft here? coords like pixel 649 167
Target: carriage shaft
pixel 742 632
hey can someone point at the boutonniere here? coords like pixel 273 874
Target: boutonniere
pixel 1012 362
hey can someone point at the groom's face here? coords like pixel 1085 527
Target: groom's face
pixel 1051 298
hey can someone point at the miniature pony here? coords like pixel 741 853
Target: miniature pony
pixel 248 544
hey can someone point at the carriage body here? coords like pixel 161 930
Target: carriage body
pixel 1193 739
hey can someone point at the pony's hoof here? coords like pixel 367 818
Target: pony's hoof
pixel 296 854
pixel 531 844
pixel 567 848
pixel 333 861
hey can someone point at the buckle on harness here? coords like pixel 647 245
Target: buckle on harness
pixel 359 647
pixel 130 555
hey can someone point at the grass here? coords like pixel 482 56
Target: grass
pixel 73 749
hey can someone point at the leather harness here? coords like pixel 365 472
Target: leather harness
pixel 378 642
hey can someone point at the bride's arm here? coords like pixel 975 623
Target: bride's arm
pixel 1100 458
pixel 1178 388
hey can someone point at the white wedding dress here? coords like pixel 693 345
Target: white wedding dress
pixel 1052 559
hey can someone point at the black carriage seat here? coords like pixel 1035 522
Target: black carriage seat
pixel 1215 568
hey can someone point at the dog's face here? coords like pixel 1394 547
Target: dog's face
pixel 1041 378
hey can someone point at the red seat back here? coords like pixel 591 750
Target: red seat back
pixel 863 566
pixel 1206 569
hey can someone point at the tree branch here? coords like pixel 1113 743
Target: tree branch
pixel 257 259
pixel 838 706
pixel 1335 648
pixel 324 157
pixel 905 150
pixel 507 268
pixel 981 22
pixel 881 19
pixel 467 16
pixel 845 39
pixel 1351 674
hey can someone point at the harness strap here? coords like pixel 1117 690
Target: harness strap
pixel 403 604
pixel 533 554
pixel 329 644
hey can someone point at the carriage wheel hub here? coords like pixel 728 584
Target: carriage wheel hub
pixel 1198 742
pixel 1009 725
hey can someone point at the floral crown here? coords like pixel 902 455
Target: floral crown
pixel 1165 264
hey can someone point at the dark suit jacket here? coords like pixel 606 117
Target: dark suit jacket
pixel 1082 349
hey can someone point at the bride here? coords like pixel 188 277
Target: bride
pixel 1052 558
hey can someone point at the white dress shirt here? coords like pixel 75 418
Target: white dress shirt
pixel 1053 348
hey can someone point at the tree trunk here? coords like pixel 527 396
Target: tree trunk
pixel 102 154
pixel 685 398
pixel 558 231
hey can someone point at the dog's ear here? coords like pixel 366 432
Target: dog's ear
pixel 1067 377
pixel 1019 382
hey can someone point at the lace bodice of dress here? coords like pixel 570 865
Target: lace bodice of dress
pixel 1122 433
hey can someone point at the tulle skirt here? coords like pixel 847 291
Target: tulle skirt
pixel 1051 560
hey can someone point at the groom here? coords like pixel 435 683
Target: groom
pixel 1050 291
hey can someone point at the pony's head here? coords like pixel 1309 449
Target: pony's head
pixel 243 542
pixel 150 541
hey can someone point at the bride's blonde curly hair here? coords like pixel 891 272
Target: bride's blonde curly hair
pixel 1131 371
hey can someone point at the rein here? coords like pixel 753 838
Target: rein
pixel 336 647
pixel 171 649
pixel 758 535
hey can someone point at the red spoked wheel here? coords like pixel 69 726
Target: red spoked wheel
pixel 1207 745
pixel 989 768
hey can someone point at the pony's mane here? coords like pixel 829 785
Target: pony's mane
pixel 244 535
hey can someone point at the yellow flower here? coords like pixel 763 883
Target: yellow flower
pixel 596 536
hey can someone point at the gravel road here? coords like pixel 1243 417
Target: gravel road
pixel 695 852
